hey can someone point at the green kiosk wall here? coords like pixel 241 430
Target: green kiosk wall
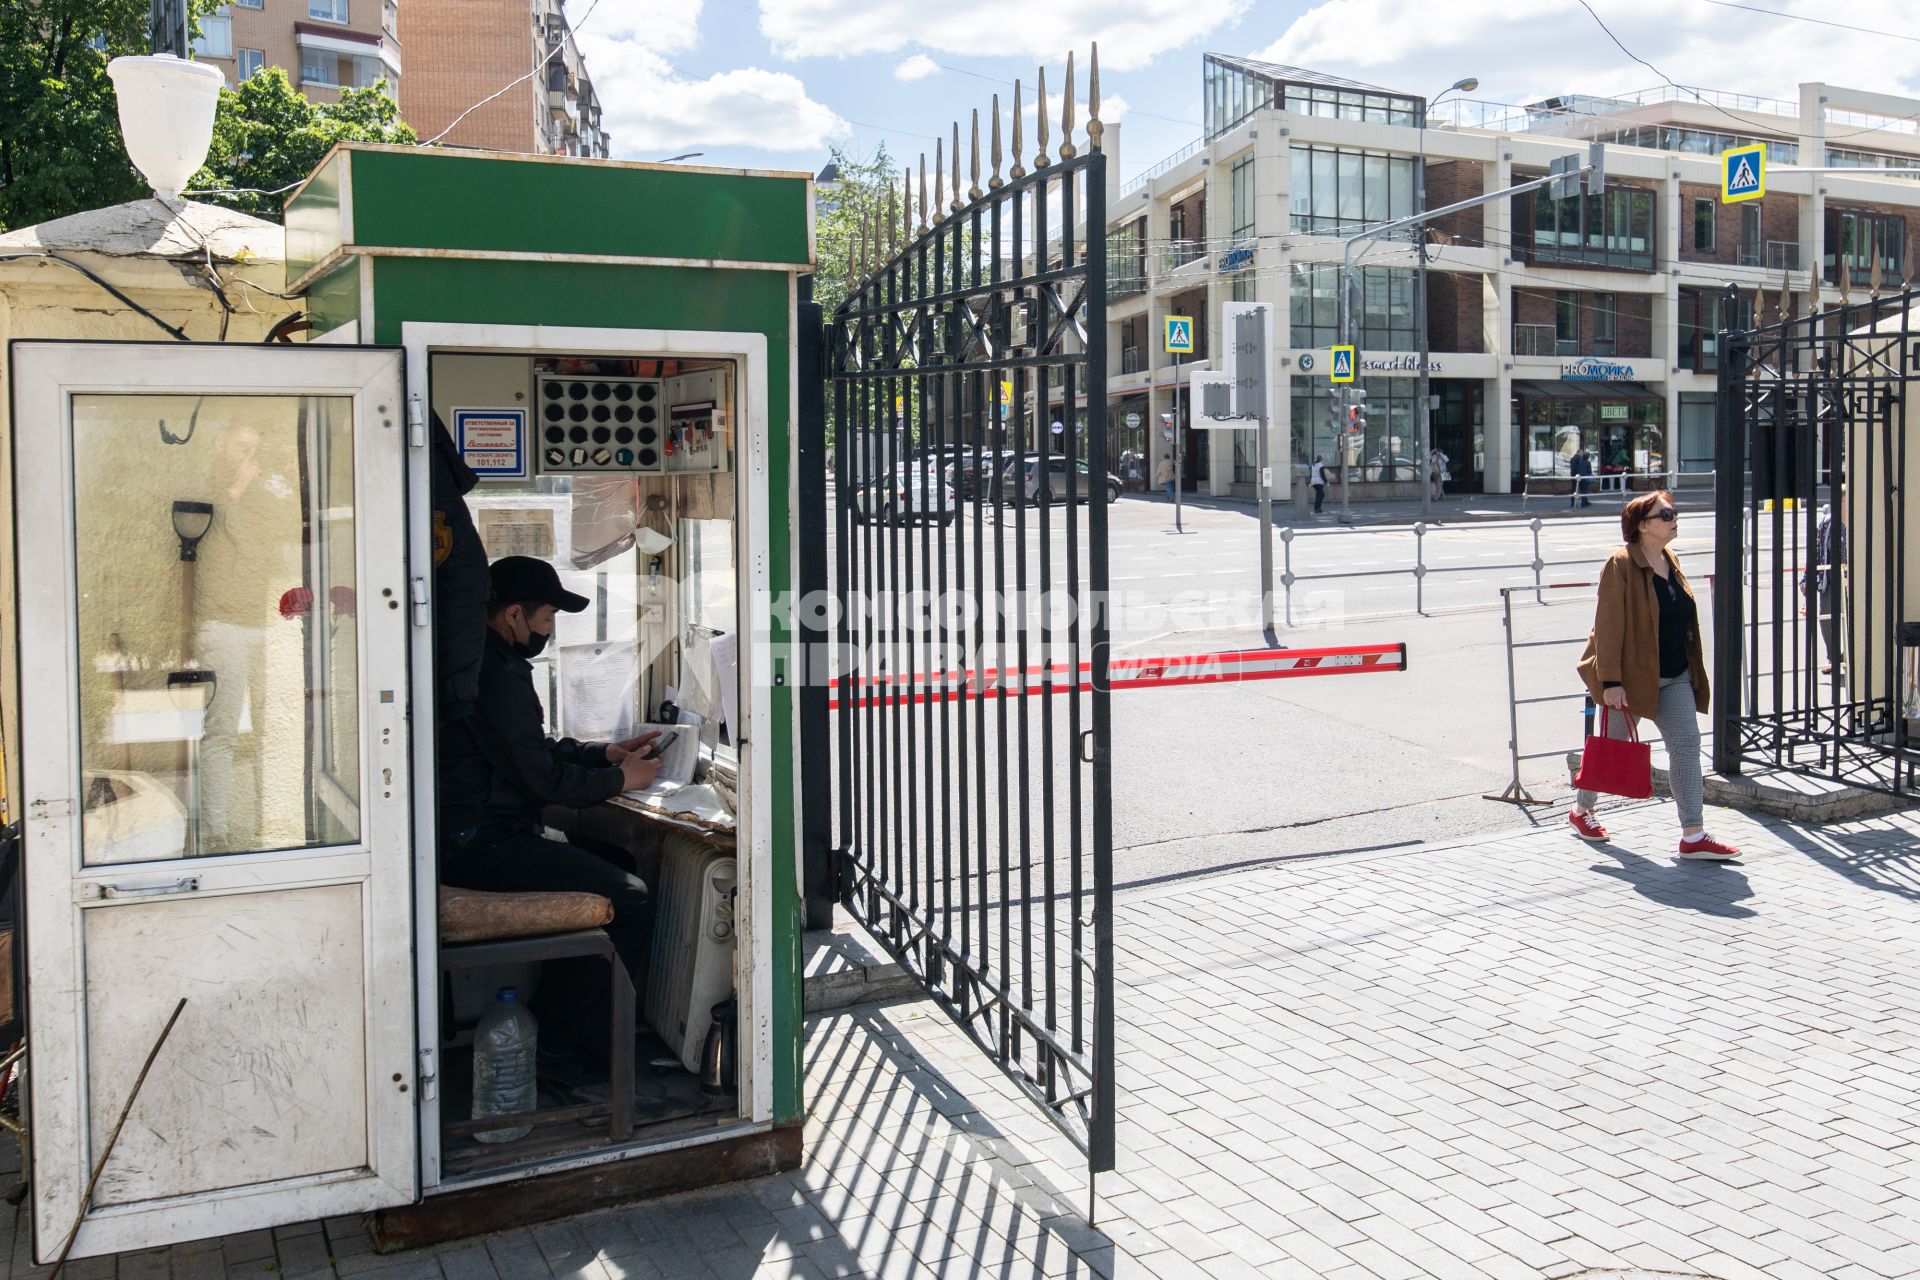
pixel 380 237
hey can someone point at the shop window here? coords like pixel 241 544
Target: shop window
pixel 1704 213
pixel 1389 449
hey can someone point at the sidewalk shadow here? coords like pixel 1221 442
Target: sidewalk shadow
pixel 1875 855
pixel 963 1195
pixel 1714 889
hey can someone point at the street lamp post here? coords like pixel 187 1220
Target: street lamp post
pixel 1425 405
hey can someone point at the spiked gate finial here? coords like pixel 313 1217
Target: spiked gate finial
pixel 939 180
pixel 923 191
pixel 1040 160
pixel 893 220
pixel 973 190
pixel 1067 150
pixel 1095 130
pixel 995 182
pixel 906 200
pixel 1873 279
pixel 955 206
pixel 1785 310
pixel 1019 169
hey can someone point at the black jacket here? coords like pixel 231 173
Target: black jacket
pixel 498 769
pixel 460 582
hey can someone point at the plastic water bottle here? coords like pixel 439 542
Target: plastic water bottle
pixel 505 1079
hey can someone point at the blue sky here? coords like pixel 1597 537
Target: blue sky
pixel 772 83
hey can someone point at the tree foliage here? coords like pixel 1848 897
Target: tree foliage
pixel 860 198
pixel 60 145
pixel 267 137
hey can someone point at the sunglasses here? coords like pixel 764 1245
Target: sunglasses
pixel 1667 514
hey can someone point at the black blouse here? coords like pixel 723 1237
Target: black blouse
pixel 1677 621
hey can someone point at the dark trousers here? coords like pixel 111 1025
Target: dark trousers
pixel 1319 497
pixel 572 1004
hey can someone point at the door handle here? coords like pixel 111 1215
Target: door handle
pixel 185 884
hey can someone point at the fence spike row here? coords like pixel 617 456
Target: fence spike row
pixel 893 220
pixel 923 191
pixel 1785 310
pixel 1846 278
pixel 1040 160
pixel 1019 169
pixel 906 200
pixel 955 204
pixel 939 180
pixel 1095 130
pixel 1873 279
pixel 973 190
pixel 995 182
pixel 1759 302
pixel 1067 150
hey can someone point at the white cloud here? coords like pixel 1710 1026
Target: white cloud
pixel 1523 50
pixel 1131 34
pixel 918 67
pixel 652 109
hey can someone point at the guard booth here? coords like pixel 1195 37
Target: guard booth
pixel 227 604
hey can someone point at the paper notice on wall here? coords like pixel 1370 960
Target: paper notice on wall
pixel 516 531
pixel 599 690
pixel 725 648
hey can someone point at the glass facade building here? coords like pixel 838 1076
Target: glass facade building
pixel 1234 88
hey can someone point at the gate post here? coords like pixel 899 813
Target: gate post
pixel 810 620
pixel 1729 503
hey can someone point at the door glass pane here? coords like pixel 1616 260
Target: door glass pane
pixel 218 625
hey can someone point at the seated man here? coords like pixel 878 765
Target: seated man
pixel 499 771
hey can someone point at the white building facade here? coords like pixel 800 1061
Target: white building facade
pixel 1555 326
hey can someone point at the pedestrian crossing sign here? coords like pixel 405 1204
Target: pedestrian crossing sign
pixel 1743 173
pixel 1340 367
pixel 1180 335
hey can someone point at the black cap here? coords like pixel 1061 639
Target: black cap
pixel 524 580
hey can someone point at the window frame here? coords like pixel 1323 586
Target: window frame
pixel 1705 214
pixel 220 20
pixel 341 7
pixel 241 74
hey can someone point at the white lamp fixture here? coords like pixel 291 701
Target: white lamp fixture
pixel 166 116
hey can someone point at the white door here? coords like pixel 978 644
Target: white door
pixel 211 550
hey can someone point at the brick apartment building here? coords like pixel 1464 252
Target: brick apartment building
pixel 1554 326
pixel 324 45
pixel 460 51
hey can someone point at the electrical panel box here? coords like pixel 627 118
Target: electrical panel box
pixel 700 421
pixel 592 423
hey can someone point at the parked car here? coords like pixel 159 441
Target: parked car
pixel 1394 467
pixel 964 478
pixel 915 492
pixel 1066 479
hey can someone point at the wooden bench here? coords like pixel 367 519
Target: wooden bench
pixel 481 929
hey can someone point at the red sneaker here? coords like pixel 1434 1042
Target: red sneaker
pixel 1704 848
pixel 1588 826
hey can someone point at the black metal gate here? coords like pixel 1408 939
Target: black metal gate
pixel 974 810
pixel 1811 593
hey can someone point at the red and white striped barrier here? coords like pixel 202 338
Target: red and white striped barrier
pixel 1126 673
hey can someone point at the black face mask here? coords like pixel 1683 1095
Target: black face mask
pixel 535 644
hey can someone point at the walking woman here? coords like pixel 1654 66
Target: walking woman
pixel 1644 659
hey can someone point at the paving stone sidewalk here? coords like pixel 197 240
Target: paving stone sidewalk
pixel 1521 1057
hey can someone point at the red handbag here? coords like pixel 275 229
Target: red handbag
pixel 1617 766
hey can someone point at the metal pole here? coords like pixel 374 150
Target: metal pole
pixel 1286 575
pixel 1346 397
pixel 1265 462
pixel 1425 409
pixel 1179 449
pixel 1730 462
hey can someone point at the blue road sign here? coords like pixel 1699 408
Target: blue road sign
pixel 1340 367
pixel 1743 173
pixel 1180 335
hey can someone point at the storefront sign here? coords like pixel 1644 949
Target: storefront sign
pixel 1613 413
pixel 1408 363
pixel 492 441
pixel 1597 371
pixel 1133 420
pixel 1237 258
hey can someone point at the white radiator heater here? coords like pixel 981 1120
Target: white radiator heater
pixel 693 933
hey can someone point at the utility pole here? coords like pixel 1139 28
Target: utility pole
pixel 1467 85
pixel 167 25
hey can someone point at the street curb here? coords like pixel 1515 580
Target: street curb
pixel 1775 800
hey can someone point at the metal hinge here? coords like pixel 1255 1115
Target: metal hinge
pixel 420 615
pixel 416 422
pixel 429 1077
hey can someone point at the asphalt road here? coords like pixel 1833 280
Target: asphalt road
pixel 1212 778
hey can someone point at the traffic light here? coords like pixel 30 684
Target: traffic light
pixel 1564 171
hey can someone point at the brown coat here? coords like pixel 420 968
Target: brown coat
pixel 1625 643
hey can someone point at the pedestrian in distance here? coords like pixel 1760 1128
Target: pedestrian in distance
pixel 1643 657
pixel 1437 472
pixel 1580 467
pixel 1317 477
pixel 1823 584
pixel 1163 475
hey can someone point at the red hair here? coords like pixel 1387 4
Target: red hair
pixel 1639 511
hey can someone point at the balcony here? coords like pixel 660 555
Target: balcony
pixel 1539 340
pixel 1180 253
pixel 1774 255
